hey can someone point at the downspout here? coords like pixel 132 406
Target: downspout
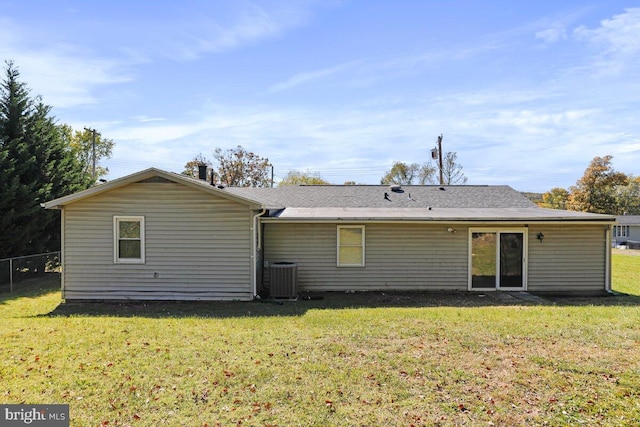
pixel 607 283
pixel 256 242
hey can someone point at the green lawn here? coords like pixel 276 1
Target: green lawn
pixel 346 360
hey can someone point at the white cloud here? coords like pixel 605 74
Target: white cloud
pixel 311 76
pixel 495 144
pixel 552 35
pixel 249 24
pixel 619 35
pixel 64 74
pixel 155 135
pixel 554 29
pixel 629 148
pixel 65 78
pixel 145 119
pixel 541 122
pixel 617 40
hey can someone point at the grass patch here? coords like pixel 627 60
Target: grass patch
pixel 625 267
pixel 376 359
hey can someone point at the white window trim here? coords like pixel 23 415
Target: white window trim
pixel 525 256
pixel 338 245
pixel 116 239
pixel 621 231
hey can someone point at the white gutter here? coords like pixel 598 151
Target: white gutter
pixel 62 254
pixel 256 242
pixel 470 222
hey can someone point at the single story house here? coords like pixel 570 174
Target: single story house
pixel 157 235
pixel 626 231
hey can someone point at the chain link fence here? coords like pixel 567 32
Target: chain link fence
pixel 17 269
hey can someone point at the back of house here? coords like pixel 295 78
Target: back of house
pixel 160 235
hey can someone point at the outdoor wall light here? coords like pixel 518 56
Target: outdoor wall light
pixel 451 230
pixel 540 237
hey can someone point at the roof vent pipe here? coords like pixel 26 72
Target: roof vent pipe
pixel 202 172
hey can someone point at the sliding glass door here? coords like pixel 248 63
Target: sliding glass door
pixel 497 259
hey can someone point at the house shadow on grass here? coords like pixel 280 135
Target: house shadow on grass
pixel 328 301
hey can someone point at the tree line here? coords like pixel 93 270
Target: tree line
pixel 600 190
pixel 40 160
pixel 241 168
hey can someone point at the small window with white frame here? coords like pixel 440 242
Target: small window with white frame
pixel 128 239
pixel 621 231
pixel 350 246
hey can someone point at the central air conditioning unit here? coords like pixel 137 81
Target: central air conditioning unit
pixel 284 280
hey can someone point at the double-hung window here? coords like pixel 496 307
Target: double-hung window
pixel 128 239
pixel 621 231
pixel 351 246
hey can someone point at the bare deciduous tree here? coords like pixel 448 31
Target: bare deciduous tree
pixel 452 170
pixel 237 167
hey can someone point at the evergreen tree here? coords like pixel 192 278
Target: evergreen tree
pixel 35 166
pixel 57 171
pixel 16 194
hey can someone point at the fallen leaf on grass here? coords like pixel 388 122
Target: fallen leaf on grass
pixel 330 406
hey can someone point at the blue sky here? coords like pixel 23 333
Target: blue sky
pixel 526 92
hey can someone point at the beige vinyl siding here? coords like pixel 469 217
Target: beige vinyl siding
pixel 197 245
pixel 571 258
pixel 397 256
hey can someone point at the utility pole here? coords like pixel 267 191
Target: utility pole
pixel 438 152
pixel 93 151
pixel 440 158
pixel 271 175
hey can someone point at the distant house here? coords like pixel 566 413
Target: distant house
pixel 626 231
pixel 162 236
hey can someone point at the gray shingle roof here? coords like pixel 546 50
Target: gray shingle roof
pixel 628 220
pixel 414 202
pixel 373 196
